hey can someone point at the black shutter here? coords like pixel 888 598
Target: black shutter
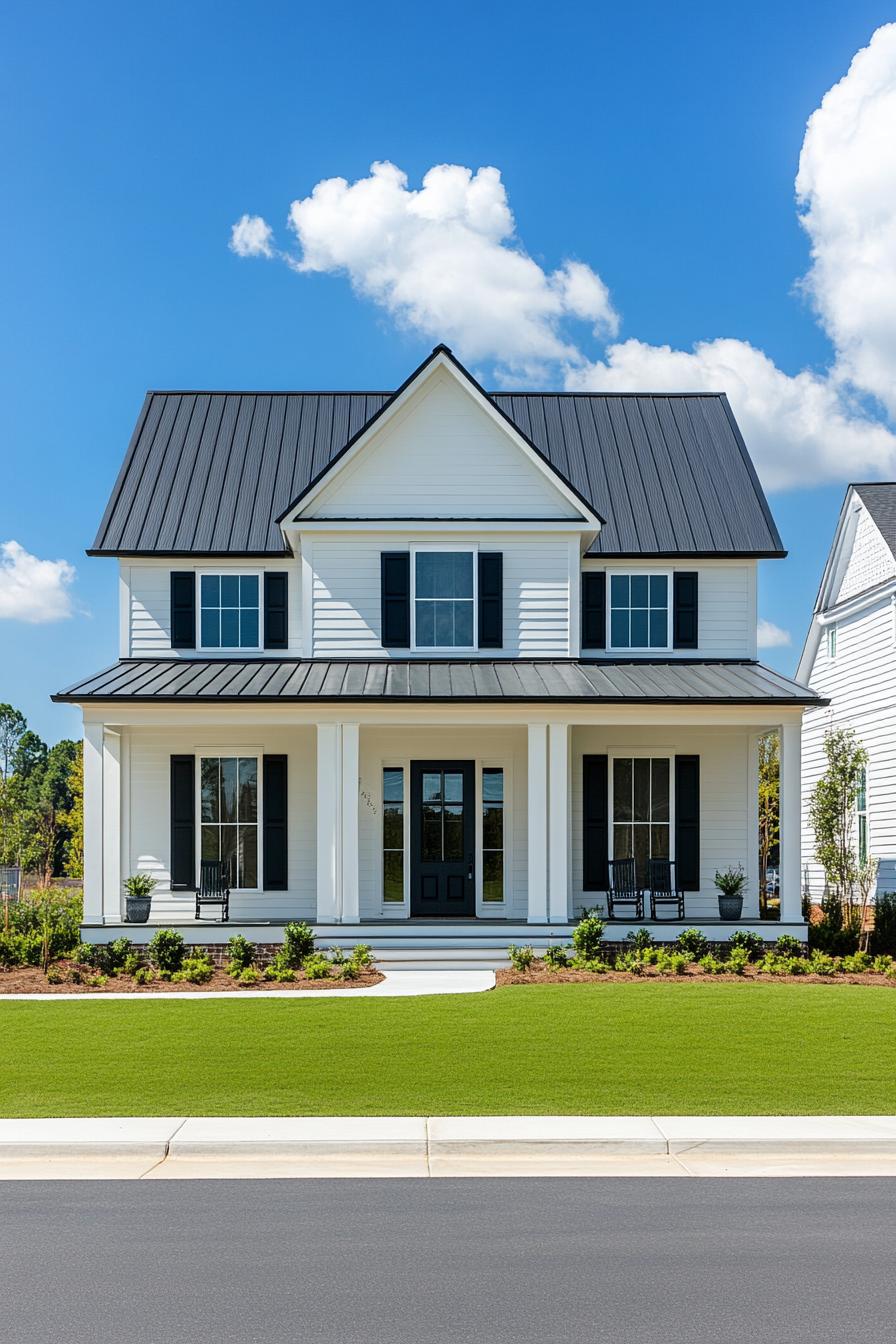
pixel 183 609
pixel 395 599
pixel 276 615
pixel 594 610
pixel 687 822
pixel 684 611
pixel 595 823
pixel 491 600
pixel 273 803
pixel 183 824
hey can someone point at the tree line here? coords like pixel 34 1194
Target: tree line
pixel 41 801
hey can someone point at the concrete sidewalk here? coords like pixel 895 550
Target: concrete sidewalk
pixel 394 985
pixel 386 1146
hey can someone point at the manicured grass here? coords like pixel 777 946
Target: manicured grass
pixel 652 1048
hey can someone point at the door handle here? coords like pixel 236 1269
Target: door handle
pixel 470 869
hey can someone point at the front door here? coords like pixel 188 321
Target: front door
pixel 443 838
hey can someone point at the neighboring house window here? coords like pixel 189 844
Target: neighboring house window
pixel 862 814
pixel 229 611
pixel 444 600
pixel 832 641
pixel 229 815
pixel 639 611
pixel 641 810
pixel 492 835
pixel 393 834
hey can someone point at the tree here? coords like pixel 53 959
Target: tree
pixel 769 798
pixel 72 818
pixel 832 810
pixel 30 757
pixel 12 726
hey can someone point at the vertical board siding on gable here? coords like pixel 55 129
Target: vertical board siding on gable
pixel 861 685
pixel 870 562
pixel 150 602
pixel 149 824
pixel 724 812
pixel 727 604
pixel 346 594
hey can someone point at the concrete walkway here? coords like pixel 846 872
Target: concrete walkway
pixel 385 1146
pixel 396 984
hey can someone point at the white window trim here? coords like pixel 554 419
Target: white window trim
pixel 400 908
pixel 484 907
pixel 245 752
pixel 643 753
pixel 667 574
pixel 227 572
pixel 444 548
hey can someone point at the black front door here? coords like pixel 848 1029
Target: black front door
pixel 443 838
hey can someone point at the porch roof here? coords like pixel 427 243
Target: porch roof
pixel 266 680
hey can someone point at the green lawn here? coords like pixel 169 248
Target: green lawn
pixel 642 1048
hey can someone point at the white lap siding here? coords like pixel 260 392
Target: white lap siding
pixel 504 747
pixel 727 834
pixel 148 823
pixel 860 681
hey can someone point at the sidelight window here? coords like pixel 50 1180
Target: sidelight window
pixel 393 835
pixel 492 835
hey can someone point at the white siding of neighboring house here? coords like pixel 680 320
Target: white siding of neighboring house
pixel 148 602
pixel 726 604
pixel 870 561
pixel 146 785
pixel 727 812
pixel 860 682
pixel 442 456
pixel 346 587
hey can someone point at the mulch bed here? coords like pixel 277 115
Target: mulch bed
pixel 542 976
pixel 31 980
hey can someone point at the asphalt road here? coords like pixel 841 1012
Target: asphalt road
pixel 415 1262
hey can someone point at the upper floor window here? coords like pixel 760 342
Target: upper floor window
pixel 229 611
pixel 639 611
pixel 444 600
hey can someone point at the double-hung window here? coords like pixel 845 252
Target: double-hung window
pixel 642 812
pixel 862 814
pixel 228 808
pixel 639 611
pixel 444 599
pixel 229 611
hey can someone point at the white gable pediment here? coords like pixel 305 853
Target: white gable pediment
pixel 443 452
pixel 869 560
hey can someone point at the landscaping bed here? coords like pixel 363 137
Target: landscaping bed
pixel 32 980
pixel 541 974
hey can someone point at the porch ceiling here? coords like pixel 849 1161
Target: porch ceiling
pixel 530 681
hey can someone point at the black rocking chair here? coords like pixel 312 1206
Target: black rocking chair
pixel 213 888
pixel 663 889
pixel 624 889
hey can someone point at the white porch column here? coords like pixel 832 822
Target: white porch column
pixel 537 786
pixel 790 821
pixel 558 823
pixel 329 800
pixel 93 823
pixel 112 888
pixel 351 908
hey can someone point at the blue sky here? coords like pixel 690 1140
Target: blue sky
pixel 656 144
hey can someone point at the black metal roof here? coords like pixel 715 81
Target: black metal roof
pixel 879 498
pixel 529 680
pixel 210 473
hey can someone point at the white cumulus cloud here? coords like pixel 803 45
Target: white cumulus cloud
pixel 33 590
pixel 251 236
pixel 771 636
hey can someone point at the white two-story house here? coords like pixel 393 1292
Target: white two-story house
pixel 850 660
pixel 418 665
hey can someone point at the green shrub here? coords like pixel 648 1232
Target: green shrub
pixel 856 963
pixel 738 960
pixel 83 954
pixel 891 973
pixel 96 981
pixel 54 976
pixel 630 962
pixel 196 969
pixel 347 970
pixel 131 964
pixel 883 937
pixel 819 963
pixel 587 937
pixel 58 912
pixel 833 934
pixel 12 949
pixel 748 939
pixel 276 971
pixel 115 954
pixel 317 967
pixel 711 965
pixel 694 943
pixel 337 955
pixel 639 939
pixel 240 954
pixel 298 943
pixel 167 950
pixel 521 958
pixel 362 955
pixel 144 975
pixel 788 946
pixel 556 957
pixel 595 967
pixel 251 975
pixel 672 963
pixel 882 964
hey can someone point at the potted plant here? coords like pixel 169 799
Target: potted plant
pixel 139 897
pixel 730 886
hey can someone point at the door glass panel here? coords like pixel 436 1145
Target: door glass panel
pixel 432 787
pixel 454 787
pixel 431 837
pixel 454 833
